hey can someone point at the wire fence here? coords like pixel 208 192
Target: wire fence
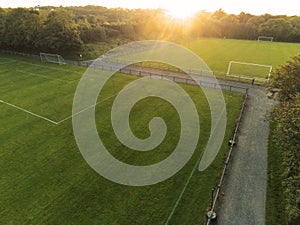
pixel 201 77
pixel 232 142
pixel 27 55
pixel 218 74
pixel 178 77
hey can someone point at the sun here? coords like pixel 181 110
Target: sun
pixel 178 12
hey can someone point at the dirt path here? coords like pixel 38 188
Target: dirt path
pixel 243 202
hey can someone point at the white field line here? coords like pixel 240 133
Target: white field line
pixel 52 121
pixel 71 116
pixel 40 75
pixel 72 81
pixel 183 190
pixel 33 64
pixel 61 121
pixel 75 114
pixel 48 67
pixel 10 61
pixel 31 113
pixel 7 58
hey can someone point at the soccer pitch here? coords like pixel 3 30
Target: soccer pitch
pixel 217 53
pixel 44 178
pixel 252 59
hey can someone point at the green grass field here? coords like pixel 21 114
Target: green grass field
pixel 218 52
pixel 44 178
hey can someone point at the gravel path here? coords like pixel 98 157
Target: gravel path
pixel 243 202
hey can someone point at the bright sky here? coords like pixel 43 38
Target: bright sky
pixel 180 8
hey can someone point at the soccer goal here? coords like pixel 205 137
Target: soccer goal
pixel 265 38
pixel 54 58
pixel 249 71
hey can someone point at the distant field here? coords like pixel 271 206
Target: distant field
pixel 218 52
pixel 45 180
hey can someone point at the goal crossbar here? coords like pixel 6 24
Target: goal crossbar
pixel 265 38
pixel 54 58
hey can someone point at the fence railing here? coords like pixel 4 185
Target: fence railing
pixel 218 74
pixel 20 54
pixel 181 78
pixel 243 78
pixel 145 71
pixel 197 71
pixel 232 142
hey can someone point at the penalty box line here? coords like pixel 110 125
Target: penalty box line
pixel 31 113
pixel 75 114
pixel 7 62
pixel 48 67
pixel 34 64
pixel 63 120
pixel 183 190
pixel 49 120
pixel 40 75
pixel 81 111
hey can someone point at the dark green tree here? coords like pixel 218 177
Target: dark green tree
pixel 21 29
pixel 295 35
pixel 280 28
pixel 60 33
pixel 3 15
pixel 287 79
pixel 286 116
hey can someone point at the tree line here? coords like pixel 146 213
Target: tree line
pixel 247 26
pixel 286 141
pixel 66 30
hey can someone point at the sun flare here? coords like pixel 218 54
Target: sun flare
pixel 180 12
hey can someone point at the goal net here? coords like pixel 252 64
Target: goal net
pixel 264 38
pixel 54 58
pixel 249 70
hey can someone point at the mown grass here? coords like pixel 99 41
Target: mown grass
pixel 218 52
pixel 45 180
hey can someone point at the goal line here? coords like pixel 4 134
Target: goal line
pixel 250 71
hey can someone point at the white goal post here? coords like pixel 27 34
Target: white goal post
pixel 54 58
pixel 249 71
pixel 265 38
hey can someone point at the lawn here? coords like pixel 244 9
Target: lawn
pixel 44 178
pixel 218 52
